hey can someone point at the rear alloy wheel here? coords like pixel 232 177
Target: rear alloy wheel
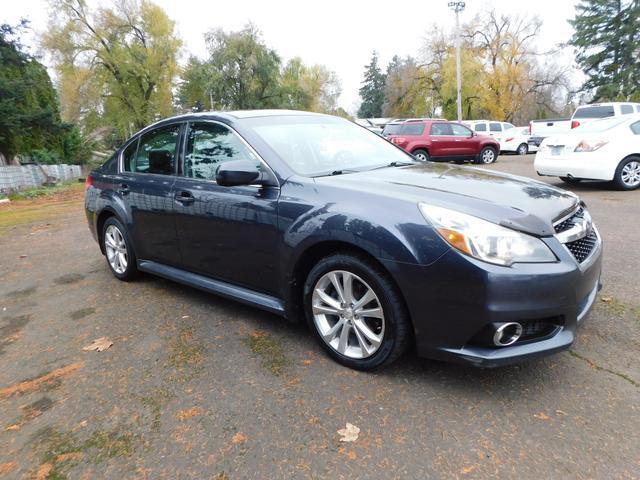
pixel 117 249
pixel 355 312
pixel 487 155
pixel 523 149
pixel 421 155
pixel 627 176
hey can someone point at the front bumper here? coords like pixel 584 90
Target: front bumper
pixel 455 298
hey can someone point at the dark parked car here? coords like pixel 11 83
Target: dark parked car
pixel 311 216
pixel 441 140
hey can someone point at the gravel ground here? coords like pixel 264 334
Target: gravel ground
pixel 195 386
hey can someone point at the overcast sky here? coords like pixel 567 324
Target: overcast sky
pixel 340 34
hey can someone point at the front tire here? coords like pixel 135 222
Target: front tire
pixel 487 155
pixel 356 312
pixel 118 251
pixel 421 155
pixel 627 176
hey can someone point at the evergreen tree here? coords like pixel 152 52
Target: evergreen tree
pixel 29 111
pixel 372 90
pixel 607 42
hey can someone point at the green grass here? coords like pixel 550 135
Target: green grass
pixel 269 350
pixel 42 191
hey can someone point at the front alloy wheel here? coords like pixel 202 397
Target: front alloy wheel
pixel 628 174
pixel 348 314
pixel 523 149
pixel 356 311
pixel 487 155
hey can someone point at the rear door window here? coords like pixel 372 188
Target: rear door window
pixel 441 129
pixel 128 156
pixel 626 109
pixel 157 152
pixel 392 129
pixel 594 112
pixel 481 127
pixel 495 127
pixel 635 128
pixel 412 129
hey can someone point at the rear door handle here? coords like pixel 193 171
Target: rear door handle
pixel 124 189
pixel 184 197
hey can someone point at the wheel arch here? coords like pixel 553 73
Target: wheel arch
pixel 310 257
pixel 106 213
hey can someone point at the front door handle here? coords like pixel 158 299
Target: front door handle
pixel 124 189
pixel 184 197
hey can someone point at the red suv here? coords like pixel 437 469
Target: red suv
pixel 442 140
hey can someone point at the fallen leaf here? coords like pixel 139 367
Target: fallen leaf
pixel 467 470
pixel 189 413
pixel 99 345
pixel 238 438
pixel 542 416
pixel 22 256
pixel 606 299
pixel 15 426
pixel 307 362
pixel 185 316
pixel 44 471
pixel 74 456
pixel 349 433
pixel 34 384
pixel 8 467
pixel 560 412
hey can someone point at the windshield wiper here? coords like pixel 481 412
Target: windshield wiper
pixel 393 164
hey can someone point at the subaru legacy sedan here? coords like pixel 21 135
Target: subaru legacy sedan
pixel 317 219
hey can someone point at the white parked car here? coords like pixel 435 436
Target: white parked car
pixel 607 149
pixel 511 138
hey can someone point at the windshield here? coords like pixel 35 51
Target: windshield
pixel 601 125
pixel 321 145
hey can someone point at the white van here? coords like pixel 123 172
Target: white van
pixel 594 111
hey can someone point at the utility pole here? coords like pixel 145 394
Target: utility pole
pixel 457 7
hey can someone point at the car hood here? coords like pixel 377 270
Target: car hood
pixel 515 202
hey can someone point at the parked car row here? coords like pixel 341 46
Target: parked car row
pixel 606 149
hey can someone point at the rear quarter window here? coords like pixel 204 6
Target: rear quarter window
pixel 594 112
pixel 111 165
pixel 626 109
pixel 635 128
pixel 412 129
pixel 391 129
pixel 495 127
pixel 481 127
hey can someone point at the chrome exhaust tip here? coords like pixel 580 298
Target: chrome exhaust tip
pixel 507 334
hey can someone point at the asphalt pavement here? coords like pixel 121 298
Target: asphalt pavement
pixel 195 386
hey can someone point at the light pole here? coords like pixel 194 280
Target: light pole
pixel 458 7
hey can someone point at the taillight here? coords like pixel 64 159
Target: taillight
pixel 530 127
pixel 575 123
pixel 398 140
pixel 87 184
pixel 509 139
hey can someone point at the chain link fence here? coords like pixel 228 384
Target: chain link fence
pixel 29 176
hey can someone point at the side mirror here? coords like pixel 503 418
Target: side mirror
pixel 238 172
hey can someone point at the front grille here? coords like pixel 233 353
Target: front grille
pixel 569 222
pixel 582 248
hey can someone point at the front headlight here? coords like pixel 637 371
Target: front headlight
pixel 485 240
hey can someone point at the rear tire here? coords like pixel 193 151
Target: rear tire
pixel 335 316
pixel 118 250
pixel 627 176
pixel 571 180
pixel 523 149
pixel 487 155
pixel 421 155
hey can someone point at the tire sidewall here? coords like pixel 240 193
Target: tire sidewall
pixel 423 152
pixel 131 269
pixel 371 277
pixel 481 160
pixel 619 184
pixel 522 151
